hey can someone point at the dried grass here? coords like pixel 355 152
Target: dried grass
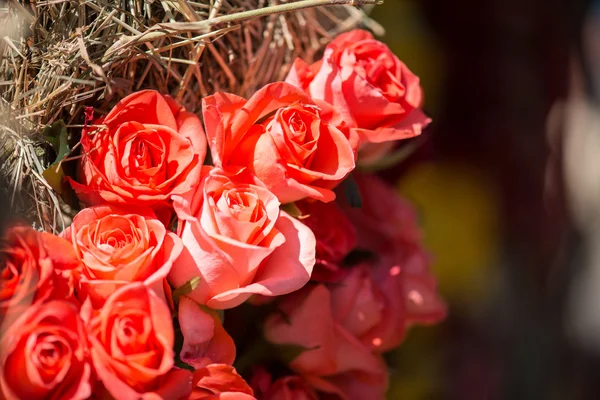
pixel 58 56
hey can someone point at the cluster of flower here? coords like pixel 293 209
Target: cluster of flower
pixel 128 302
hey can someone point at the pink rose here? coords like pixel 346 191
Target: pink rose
pixel 205 341
pixel 279 134
pixel 44 355
pixel 335 235
pixel 220 382
pixel 119 245
pixel 387 227
pixel 148 149
pixel 238 242
pixel 291 388
pixel 131 344
pixel 377 96
pixel 334 361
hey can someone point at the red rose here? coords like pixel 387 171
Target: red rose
pixel 377 96
pixel 147 149
pixel 36 266
pixel 44 355
pixel 280 135
pixel 335 235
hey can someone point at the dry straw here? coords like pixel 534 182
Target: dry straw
pixel 58 56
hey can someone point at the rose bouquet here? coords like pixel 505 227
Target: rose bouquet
pixel 236 254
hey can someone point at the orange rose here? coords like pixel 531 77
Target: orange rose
pixel 131 344
pixel 239 242
pixel 147 149
pixel 220 382
pixel 44 355
pixel 334 361
pixel 377 96
pixel 280 135
pixel 118 246
pixel 36 266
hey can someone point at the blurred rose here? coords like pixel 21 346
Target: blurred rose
pixel 334 361
pixel 147 149
pixel 377 96
pixel 204 339
pixel 131 344
pixel 239 242
pixel 335 235
pixel 36 266
pixel 280 135
pixel 118 246
pixel 387 228
pixel 220 382
pixel 290 388
pixel 44 355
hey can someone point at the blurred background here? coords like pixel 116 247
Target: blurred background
pixel 507 182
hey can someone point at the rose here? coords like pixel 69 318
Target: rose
pixel 238 241
pixel 131 344
pixel 290 388
pixel 280 135
pixel 36 267
pixel 377 96
pixel 119 245
pixel 398 268
pixel 335 235
pixel 44 355
pixel 334 361
pixel 204 339
pixel 146 149
pixel 220 381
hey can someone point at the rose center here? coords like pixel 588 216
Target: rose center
pixel 245 205
pixel 49 353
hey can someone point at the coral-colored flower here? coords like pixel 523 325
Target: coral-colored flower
pixel 44 355
pixel 204 339
pixel 220 382
pixel 377 96
pixel 281 136
pixel 238 242
pixel 36 266
pixel 147 149
pixel 131 344
pixel 120 245
pixel 334 361
pixel 290 388
pixel 335 235
pixel 387 227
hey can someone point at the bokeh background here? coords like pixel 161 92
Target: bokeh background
pixel 507 183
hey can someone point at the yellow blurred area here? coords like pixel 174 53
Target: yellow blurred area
pixel 459 216
pixel 417 372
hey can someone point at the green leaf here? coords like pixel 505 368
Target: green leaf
pixel 56 135
pixel 289 352
pixel 292 209
pixel 352 192
pixel 182 365
pixel 186 288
